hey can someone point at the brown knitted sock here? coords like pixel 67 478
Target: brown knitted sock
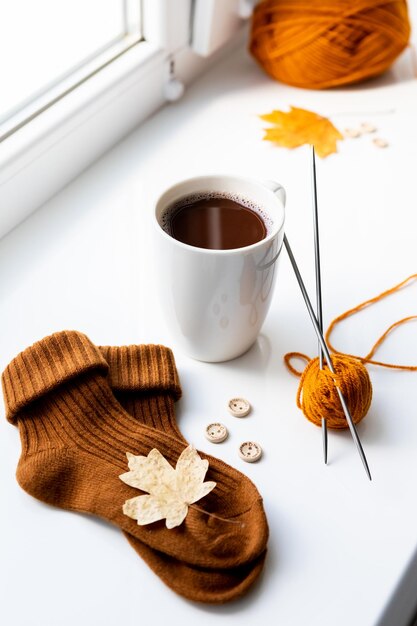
pixel 211 586
pixel 74 439
pixel 144 379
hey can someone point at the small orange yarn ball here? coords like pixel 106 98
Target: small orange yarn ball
pixel 317 396
pixel 318 44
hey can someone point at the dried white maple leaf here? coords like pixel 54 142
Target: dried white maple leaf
pixel 170 490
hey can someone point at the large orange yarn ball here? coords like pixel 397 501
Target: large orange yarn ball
pixel 318 44
pixel 317 396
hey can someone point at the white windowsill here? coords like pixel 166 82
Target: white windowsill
pixel 18 147
pixel 339 545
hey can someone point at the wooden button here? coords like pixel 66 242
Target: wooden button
pixel 239 407
pixel 352 133
pixel 380 143
pixel 250 451
pixel 216 432
pixel 368 128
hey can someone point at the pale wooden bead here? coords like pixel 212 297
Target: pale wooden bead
pixel 380 143
pixel 368 128
pixel 352 133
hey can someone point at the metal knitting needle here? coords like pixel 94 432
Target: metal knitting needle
pixel 318 281
pixel 327 356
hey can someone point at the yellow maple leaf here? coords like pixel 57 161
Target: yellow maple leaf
pixel 298 127
pixel 170 490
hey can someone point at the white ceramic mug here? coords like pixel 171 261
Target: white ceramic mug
pixel 215 301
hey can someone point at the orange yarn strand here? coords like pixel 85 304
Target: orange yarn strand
pixel 295 355
pixel 328 43
pixel 317 396
pixel 359 307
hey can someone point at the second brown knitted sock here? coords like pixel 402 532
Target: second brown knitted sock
pixel 144 379
pixel 211 586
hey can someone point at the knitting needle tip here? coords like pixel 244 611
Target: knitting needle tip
pixel 318 280
pixel 324 437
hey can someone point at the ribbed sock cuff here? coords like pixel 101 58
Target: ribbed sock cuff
pixel 142 368
pixel 45 365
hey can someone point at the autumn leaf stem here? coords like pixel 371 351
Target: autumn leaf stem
pixel 222 519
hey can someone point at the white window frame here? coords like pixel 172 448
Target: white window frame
pixel 45 154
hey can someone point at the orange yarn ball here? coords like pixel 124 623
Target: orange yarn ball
pixel 318 44
pixel 317 396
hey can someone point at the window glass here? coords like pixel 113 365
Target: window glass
pixel 44 41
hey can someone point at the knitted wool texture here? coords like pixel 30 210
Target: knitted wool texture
pixel 75 436
pixel 317 396
pixel 145 381
pixel 317 44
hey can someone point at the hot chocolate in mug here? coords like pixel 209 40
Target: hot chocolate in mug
pixel 215 300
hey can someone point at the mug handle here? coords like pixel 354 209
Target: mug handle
pixel 278 190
